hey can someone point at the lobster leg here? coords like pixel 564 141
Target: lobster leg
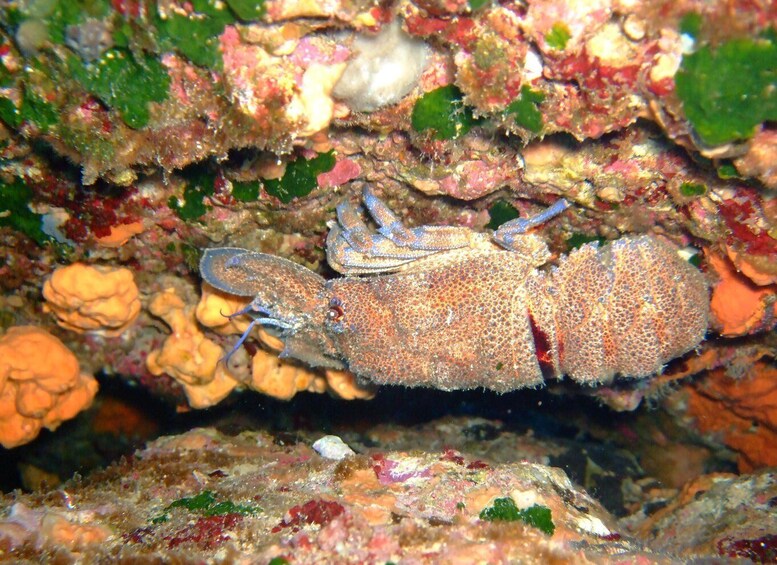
pixel 508 232
pixel 513 235
pixel 352 249
pixel 259 316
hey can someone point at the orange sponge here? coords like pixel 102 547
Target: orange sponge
pixel 87 298
pixel 739 306
pixel 270 375
pixel 215 308
pixel 38 390
pixel 281 379
pixel 187 355
pixel 120 234
pixel 345 385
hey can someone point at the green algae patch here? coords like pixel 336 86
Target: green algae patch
pixel 196 38
pixel 125 82
pixel 690 24
pixel 442 111
pixel 577 240
pixel 476 4
pixel 206 504
pixel 539 517
pixel 247 10
pixel 247 191
pixel 191 257
pixel 728 90
pixel 196 35
pixel 300 177
pixel 9 113
pixel 524 109
pixel 34 110
pixel 728 171
pixel 692 189
pixel 192 207
pixel 500 212
pixel 15 211
pixel 87 140
pixel 505 510
pixel 199 185
pixel 33 107
pixel 72 12
pixel 502 510
pixel 558 36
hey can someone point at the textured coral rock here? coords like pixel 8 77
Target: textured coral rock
pixel 72 533
pixel 40 384
pixel 760 161
pixel 139 133
pixel 759 268
pixel 741 408
pixel 723 515
pixel 255 500
pixel 264 78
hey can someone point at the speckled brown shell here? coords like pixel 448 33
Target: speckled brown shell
pixel 486 318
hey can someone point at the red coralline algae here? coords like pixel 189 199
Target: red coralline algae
pixel 128 8
pixel 744 216
pixel 208 532
pixel 593 76
pixel 458 30
pixel 760 550
pixel 317 511
pixel 92 211
pixel 477 464
pixel 455 457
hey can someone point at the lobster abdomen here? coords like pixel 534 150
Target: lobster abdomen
pixel 488 319
pixel 625 308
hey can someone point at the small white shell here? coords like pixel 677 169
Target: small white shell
pixel 332 447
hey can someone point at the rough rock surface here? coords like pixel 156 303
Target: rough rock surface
pixel 258 496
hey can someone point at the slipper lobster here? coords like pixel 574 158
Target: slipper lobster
pixel 452 308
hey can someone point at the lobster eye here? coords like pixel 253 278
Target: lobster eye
pixel 336 311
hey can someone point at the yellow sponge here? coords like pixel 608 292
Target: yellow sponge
pixel 87 298
pixel 38 390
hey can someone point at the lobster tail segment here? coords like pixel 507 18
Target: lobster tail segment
pixel 626 308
